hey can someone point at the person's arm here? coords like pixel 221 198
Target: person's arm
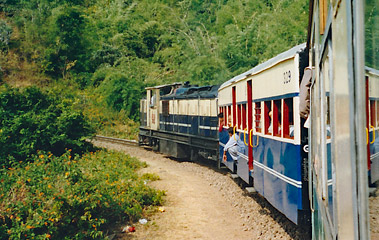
pixel 232 142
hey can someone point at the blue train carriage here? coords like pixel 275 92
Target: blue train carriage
pixel 372 124
pixel 181 120
pixel 262 105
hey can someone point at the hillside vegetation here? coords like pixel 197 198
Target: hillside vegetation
pixel 115 48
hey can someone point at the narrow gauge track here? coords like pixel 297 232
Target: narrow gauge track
pixel 116 140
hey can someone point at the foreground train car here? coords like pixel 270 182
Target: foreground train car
pixel 344 95
pixel 180 120
pixel 262 105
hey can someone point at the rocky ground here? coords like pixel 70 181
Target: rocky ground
pixel 374 216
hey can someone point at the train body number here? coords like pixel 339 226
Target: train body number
pixel 287 77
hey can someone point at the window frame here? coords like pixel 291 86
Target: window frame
pixel 286 123
pixel 244 116
pixel 267 119
pixel 258 117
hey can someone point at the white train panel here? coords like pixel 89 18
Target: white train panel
pixel 373 76
pixel 224 97
pixel 176 107
pixel 193 107
pixel 205 107
pixel 279 80
pixel 241 91
pixel 214 111
pixel 171 107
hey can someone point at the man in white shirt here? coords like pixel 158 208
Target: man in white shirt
pixel 233 146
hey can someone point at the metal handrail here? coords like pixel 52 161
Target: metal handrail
pixel 373 134
pixel 234 132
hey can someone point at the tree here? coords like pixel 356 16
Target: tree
pixel 68 51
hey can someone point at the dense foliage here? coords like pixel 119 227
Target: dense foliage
pixel 31 120
pixel 371 34
pixel 72 198
pixel 121 46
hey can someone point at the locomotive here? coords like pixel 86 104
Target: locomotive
pixel 180 120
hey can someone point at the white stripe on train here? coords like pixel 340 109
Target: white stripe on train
pixel 291 181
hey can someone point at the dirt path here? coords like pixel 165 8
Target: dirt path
pixel 203 204
pixel 374 216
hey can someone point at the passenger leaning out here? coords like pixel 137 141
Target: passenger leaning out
pixel 233 146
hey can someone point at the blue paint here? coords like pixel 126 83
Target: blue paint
pixel 288 95
pixel 282 157
pixel 330 177
pixel 285 159
pixel 190 125
pixel 223 138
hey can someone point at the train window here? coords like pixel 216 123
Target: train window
pixel 288 127
pixel 277 118
pixel 243 116
pixel 267 117
pixel 221 110
pixel 165 108
pixel 229 116
pixel 372 113
pixel 257 116
pixel 153 99
pixel 328 135
pixel 225 117
pixel 239 122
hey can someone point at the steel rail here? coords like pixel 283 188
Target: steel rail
pixel 116 140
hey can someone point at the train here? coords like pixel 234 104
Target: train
pixel 316 168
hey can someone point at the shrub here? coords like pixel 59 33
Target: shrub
pixel 122 92
pixel 32 120
pixel 5 34
pixel 71 198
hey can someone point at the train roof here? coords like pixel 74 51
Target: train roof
pixel 372 71
pixel 269 63
pixel 166 85
pixel 193 92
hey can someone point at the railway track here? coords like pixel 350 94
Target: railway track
pixel 116 140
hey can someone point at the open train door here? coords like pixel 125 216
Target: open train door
pixel 245 160
pixel 338 153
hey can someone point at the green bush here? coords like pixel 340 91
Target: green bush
pixel 122 92
pixel 31 120
pixel 5 34
pixel 72 198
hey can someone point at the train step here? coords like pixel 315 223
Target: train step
pixel 234 176
pixel 251 190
